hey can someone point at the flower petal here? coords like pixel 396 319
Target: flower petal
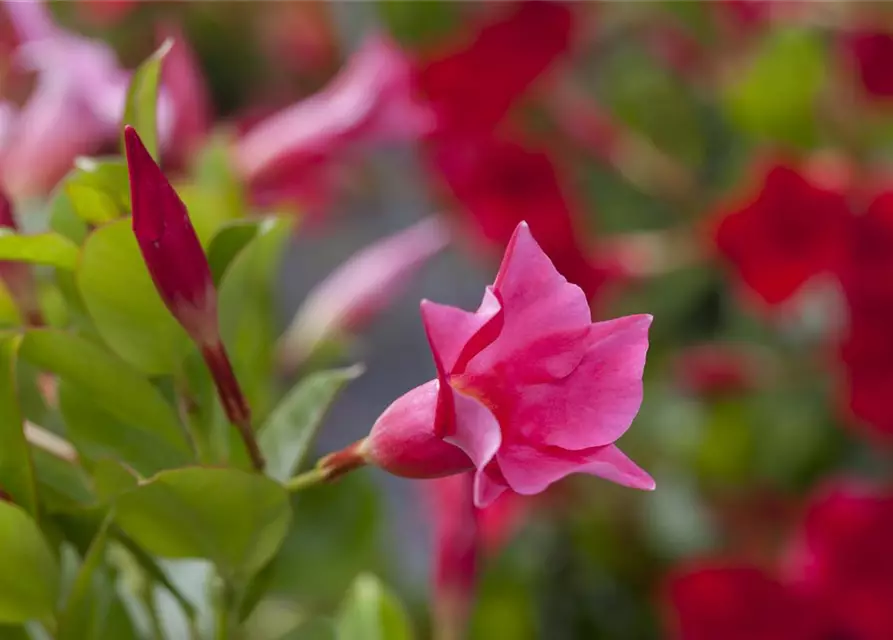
pixel 475 429
pixel 596 404
pixel 537 301
pixel 529 470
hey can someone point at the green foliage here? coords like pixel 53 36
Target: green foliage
pixel 98 190
pixel 233 518
pixel 44 248
pixel 124 304
pixel 371 612
pixel 29 582
pixel 16 468
pixel 141 110
pixel 291 427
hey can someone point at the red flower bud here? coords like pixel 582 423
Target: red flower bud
pixel 180 271
pixel 170 248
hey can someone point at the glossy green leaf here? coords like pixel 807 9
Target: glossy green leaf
pixel 122 300
pixel 29 581
pixel 775 97
pixel 234 518
pixel 63 486
pixel 371 612
pixel 292 426
pixel 16 468
pixel 245 300
pixel 141 109
pixel 82 617
pixel 105 381
pixel 97 434
pixel 43 248
pixel 98 190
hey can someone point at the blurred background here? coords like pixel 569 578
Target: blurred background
pixel 721 165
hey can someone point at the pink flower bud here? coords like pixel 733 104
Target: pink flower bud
pixel 170 248
pixel 361 288
pixel 527 387
pixel 16 276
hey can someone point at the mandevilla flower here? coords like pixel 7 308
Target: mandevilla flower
pixel 528 389
pixel 180 271
pixel 16 276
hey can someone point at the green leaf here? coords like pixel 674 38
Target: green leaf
pixel 418 23
pixel 141 110
pixel 43 248
pixel 111 479
pixel 82 617
pixel 98 190
pixel 63 485
pixel 9 312
pixel 29 581
pixel 766 102
pixel 96 434
pixel 292 426
pixel 371 612
pixel 228 243
pixel 16 468
pixel 63 219
pixel 245 300
pixel 234 518
pixel 105 381
pixel 117 290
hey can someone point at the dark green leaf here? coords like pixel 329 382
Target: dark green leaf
pixel 141 110
pixel 63 485
pixel 16 468
pixel 119 295
pixel 82 616
pixel 29 581
pixel 292 426
pixel 234 518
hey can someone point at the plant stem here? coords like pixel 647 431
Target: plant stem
pixel 304 480
pixel 226 610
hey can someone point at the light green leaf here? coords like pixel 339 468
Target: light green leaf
pixel 119 295
pixel 371 612
pixel 16 468
pixel 63 219
pixel 63 485
pixel 105 381
pixel 112 478
pixel 97 435
pixel 29 581
pixel 141 110
pixel 234 518
pixel 775 97
pixel 227 243
pixel 43 248
pixel 291 427
pixel 82 618
pixel 246 309
pixel 98 190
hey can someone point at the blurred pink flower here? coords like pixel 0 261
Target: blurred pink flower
pixel 716 369
pixel 17 276
pixel 527 387
pixel 370 101
pixel 462 533
pixel 361 287
pixel 75 107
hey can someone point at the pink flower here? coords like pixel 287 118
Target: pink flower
pixel 369 102
pixel 871 54
pixel 528 389
pixel 17 276
pixel 179 269
pixel 361 287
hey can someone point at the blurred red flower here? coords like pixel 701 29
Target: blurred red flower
pixel 793 228
pixel 837 581
pixel 871 54
pixel 718 369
